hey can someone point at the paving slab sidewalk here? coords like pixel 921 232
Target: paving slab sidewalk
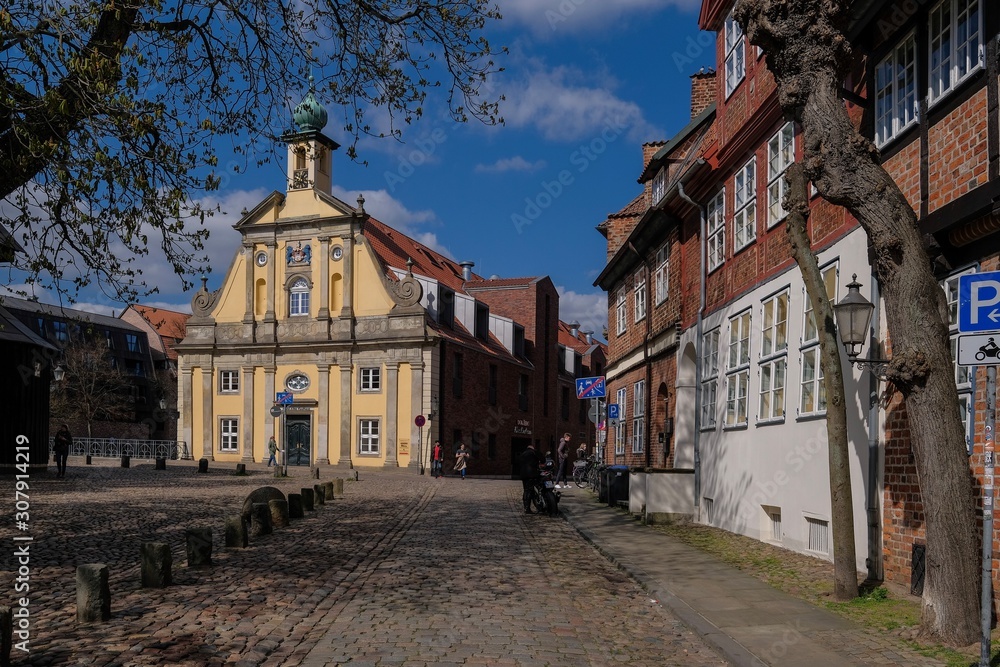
pixel 746 620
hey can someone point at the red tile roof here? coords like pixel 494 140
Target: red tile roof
pixel 169 324
pixel 393 248
pixel 635 208
pixel 578 342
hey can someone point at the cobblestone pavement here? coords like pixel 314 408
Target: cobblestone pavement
pixel 403 570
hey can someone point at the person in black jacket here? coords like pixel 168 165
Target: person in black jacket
pixel 529 475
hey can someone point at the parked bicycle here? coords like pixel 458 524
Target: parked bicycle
pixel 585 473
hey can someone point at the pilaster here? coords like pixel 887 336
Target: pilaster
pixel 208 413
pixel 322 428
pixel 346 418
pixel 248 402
pixel 391 413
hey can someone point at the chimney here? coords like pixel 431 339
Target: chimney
pixel 574 328
pixel 702 90
pixel 466 270
pixel 590 337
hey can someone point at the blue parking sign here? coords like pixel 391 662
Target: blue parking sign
pixel 614 411
pixel 979 302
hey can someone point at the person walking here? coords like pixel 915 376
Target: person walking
pixel 61 446
pixel 462 459
pixel 562 452
pixel 529 461
pixel 437 460
pixel 272 450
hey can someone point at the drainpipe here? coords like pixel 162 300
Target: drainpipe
pixel 697 348
pixel 874 560
pixel 645 357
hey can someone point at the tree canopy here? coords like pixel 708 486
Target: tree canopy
pixel 113 113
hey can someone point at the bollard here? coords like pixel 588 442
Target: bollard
pixel 89 461
pixel 279 513
pixel 236 532
pixel 241 468
pixel 261 495
pixel 356 475
pixel 125 460
pixel 295 506
pixel 260 520
pixel 307 499
pixel 7 635
pixel 320 494
pixel 314 472
pixel 338 487
pixel 93 593
pixel 202 465
pixel 161 463
pixel 199 546
pixel 156 562
pixel 328 490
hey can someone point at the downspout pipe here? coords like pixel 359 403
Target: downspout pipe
pixel 702 219
pixel 874 559
pixel 648 445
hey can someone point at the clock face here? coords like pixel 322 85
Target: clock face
pixel 261 258
pixel 337 252
pixel 297 382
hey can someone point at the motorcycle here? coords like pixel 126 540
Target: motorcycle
pixel 544 498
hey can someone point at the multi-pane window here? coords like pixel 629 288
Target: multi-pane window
pixel 620 398
pixel 368 436
pixel 371 379
pixel 896 91
pixel 638 417
pixel 659 185
pixel 736 67
pixel 621 311
pixel 662 273
pixel 229 382
pixel 709 376
pixel 716 223
pixel 812 390
pixel 963 375
pixel 229 431
pixel 298 298
pixel 132 343
pixel 774 358
pixel 61 330
pixel 738 370
pixel 639 291
pixel 780 154
pixel 745 205
pixel 956 45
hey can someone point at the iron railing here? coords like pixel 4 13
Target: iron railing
pixel 133 448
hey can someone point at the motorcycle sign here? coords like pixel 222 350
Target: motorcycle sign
pixel 979 350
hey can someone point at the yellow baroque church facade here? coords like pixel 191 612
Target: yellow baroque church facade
pixel 306 309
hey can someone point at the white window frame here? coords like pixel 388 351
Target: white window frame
pixel 773 370
pixel 745 205
pixel 229 382
pixel 621 311
pixel 716 230
pixel 639 417
pixel 370 378
pixel 639 292
pixel 780 154
pixel 298 298
pixel 736 65
pixel 946 71
pixel 659 187
pixel 964 377
pixel 662 273
pixel 812 388
pixel 369 436
pixel 738 369
pixel 621 397
pixel 229 434
pixel 896 104
pixel 709 377
pixel 774 324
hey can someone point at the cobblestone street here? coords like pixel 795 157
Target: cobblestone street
pixel 403 570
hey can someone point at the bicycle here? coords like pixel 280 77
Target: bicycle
pixel 583 471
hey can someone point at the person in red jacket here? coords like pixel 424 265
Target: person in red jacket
pixel 437 460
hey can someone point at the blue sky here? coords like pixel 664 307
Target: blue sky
pixel 586 83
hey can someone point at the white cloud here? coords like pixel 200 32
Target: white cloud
pixel 553 17
pixel 516 163
pixel 563 105
pixel 590 310
pixel 386 208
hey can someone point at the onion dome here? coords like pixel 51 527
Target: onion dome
pixel 310 115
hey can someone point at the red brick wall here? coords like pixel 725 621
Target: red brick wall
pixel 702 91
pixel 957 152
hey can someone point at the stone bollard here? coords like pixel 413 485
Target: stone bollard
pixel 279 513
pixel 241 468
pixel 338 487
pixel 126 459
pixel 6 635
pixel 161 463
pixel 356 475
pixel 236 532
pixel 89 461
pixel 320 494
pixel 199 546
pixel 295 506
pixel 156 562
pixel 314 472
pixel 260 520
pixel 93 593
pixel 307 499
pixel 328 489
pixel 202 465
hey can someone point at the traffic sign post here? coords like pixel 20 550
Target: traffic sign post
pixel 282 400
pixel 419 422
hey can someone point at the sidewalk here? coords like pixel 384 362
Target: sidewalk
pixel 747 621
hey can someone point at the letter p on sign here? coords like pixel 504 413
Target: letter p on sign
pixel 978 301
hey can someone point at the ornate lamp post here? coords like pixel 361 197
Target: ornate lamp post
pixel 854 315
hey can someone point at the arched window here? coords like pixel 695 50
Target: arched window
pixel 299 298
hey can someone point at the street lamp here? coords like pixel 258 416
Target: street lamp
pixel 58 373
pixel 854 315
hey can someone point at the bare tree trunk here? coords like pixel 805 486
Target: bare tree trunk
pixel 808 54
pixel 845 571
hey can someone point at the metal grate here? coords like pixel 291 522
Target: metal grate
pixel 775 525
pixel 819 536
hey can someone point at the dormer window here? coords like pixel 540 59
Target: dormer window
pixel 659 185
